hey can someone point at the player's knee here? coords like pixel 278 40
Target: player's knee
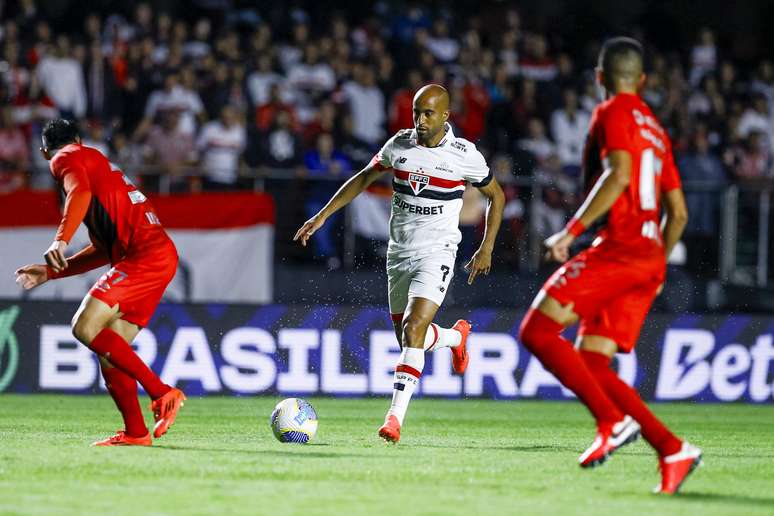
pixel 414 332
pixel 84 329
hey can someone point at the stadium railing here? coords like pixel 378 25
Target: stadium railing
pixel 740 214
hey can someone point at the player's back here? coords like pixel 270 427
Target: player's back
pixel 626 123
pixel 119 218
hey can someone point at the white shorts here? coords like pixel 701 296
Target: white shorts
pixel 428 276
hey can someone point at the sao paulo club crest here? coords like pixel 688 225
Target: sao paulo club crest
pixel 418 182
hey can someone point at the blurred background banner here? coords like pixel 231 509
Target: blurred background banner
pixel 225 243
pixel 348 351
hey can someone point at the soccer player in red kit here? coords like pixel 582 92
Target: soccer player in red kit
pixel 126 233
pixel 610 287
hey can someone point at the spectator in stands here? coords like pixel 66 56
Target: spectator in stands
pixel 703 56
pixel 402 103
pixel 14 153
pixel 569 126
pixel 366 105
pixel 537 64
pixel 266 114
pixel 756 118
pixel 220 144
pixel 263 79
pixel 536 142
pixel 327 168
pixel 94 136
pixel 702 165
pixel 168 151
pixel 173 96
pixel 282 144
pixel 101 88
pixel 750 159
pixel 61 78
pixel 310 80
pixel 443 47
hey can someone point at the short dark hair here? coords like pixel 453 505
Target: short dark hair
pixel 617 47
pixel 59 132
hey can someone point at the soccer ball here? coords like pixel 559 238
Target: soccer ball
pixel 294 421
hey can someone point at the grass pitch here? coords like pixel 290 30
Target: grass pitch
pixel 456 457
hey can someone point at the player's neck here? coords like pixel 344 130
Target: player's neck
pixel 434 140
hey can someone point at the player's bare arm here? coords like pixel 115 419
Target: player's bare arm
pixel 675 220
pixel 610 185
pixel 481 262
pixel 348 191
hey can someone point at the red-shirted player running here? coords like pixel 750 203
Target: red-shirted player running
pixel 126 233
pixel 611 286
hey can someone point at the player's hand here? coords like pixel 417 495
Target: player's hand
pixel 660 289
pixel 55 257
pixel 307 230
pixel 480 263
pixel 558 246
pixel 31 276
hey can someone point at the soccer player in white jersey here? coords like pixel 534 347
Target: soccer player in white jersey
pixel 431 168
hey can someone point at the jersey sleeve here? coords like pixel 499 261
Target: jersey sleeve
pixel 616 128
pixel 475 170
pixel 382 160
pixel 75 182
pixel 670 176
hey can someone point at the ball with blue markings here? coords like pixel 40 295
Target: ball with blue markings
pixel 294 421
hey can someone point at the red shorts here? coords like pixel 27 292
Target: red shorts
pixel 137 283
pixel 612 297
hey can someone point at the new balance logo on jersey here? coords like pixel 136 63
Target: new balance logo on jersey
pixel 402 160
pixel 418 182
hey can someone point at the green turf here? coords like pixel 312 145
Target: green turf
pixel 456 457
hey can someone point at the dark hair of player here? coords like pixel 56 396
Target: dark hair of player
pixel 621 59
pixel 59 132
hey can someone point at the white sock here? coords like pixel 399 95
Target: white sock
pixel 407 374
pixel 437 337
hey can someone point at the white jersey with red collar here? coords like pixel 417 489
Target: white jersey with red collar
pixel 428 184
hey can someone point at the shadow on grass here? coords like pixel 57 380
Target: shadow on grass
pixel 757 501
pixel 279 453
pixel 532 449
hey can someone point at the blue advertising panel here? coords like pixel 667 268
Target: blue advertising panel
pixel 351 351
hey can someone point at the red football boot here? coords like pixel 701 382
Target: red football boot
pixel 608 440
pixel 165 411
pixel 675 468
pixel 121 439
pixel 390 430
pixel 460 353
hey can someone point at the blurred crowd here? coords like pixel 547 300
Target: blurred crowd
pixel 207 103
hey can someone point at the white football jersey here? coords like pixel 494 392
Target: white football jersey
pixel 428 184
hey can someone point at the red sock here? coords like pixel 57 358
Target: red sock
pixel 629 401
pixel 123 390
pixel 542 336
pixel 118 352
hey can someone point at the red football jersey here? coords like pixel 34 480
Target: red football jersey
pixel 119 217
pixel 625 122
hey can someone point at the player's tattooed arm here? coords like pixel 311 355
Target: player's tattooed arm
pixel 348 191
pixel 608 188
pixel 481 262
